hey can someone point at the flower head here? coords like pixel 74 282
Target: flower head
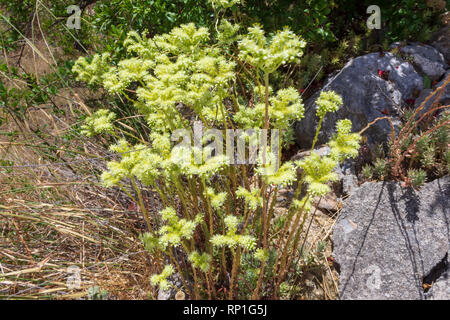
pixel 257 50
pixel 176 229
pixel 201 261
pixel 318 172
pixel 99 122
pixel 161 279
pixel 252 197
pixel 231 239
pixel 328 101
pixel 344 144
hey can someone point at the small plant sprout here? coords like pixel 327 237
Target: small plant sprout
pixel 367 171
pixel 381 168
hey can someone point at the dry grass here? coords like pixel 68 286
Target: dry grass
pixel 53 217
pixel 56 216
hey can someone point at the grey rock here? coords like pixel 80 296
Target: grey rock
pixel 396 44
pixel 388 238
pixel 347 174
pixel 349 183
pixel 440 290
pixel 440 40
pixel 321 151
pixel 365 95
pixel 329 203
pixel 427 59
pixel 166 294
pixel 444 98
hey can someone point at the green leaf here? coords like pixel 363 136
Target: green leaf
pixel 426 82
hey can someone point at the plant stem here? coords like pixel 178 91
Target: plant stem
pixel 236 258
pixel 141 204
pixel 319 125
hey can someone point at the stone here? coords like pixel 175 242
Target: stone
pixel 444 98
pixel 321 151
pixel 427 59
pixel 440 289
pixel 328 203
pixel 347 176
pixel 440 40
pixel 366 96
pixel 388 238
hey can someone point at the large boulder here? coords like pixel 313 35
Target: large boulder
pixel 440 40
pixel 440 289
pixel 439 99
pixel 426 59
pixel 371 86
pixel 387 239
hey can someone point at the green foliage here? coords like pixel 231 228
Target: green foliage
pixel 328 101
pixel 175 230
pixel 173 62
pixel 19 14
pixel 344 143
pixel 447 160
pixel 201 261
pixel 225 4
pixel 319 171
pixel 284 47
pixel 409 19
pixel 230 239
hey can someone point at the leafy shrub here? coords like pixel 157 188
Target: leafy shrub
pixel 218 228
